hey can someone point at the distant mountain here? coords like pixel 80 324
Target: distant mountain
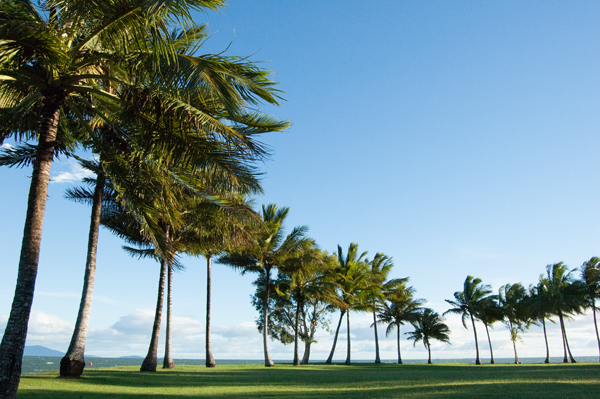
pixel 38 350
pixel 131 357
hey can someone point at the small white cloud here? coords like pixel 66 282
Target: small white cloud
pixel 6 146
pixel 75 174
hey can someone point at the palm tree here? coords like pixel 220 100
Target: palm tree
pixel 350 281
pixel 467 302
pixel 269 251
pixel 590 277
pixel 489 313
pixel 538 306
pixel 400 307
pixel 511 300
pixel 379 288
pixel 565 297
pixel 429 325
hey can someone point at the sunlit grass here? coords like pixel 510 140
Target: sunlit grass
pixel 321 381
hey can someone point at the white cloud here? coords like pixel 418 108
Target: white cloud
pixel 6 146
pixel 75 174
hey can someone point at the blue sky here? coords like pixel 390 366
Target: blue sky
pixel 458 137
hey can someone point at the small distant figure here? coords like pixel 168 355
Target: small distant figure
pixel 91 364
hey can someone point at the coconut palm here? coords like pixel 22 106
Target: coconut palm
pixel 269 251
pixel 379 288
pixel 429 325
pixel 400 307
pixel 489 312
pixel 467 302
pixel 590 277
pixel 511 300
pixel 350 281
pixel 565 296
pixel 538 307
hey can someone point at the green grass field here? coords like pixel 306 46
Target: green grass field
pixel 321 381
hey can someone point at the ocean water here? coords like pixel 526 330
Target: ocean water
pixel 38 364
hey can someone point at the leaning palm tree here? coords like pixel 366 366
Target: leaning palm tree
pixel 511 299
pixel 565 296
pixel 538 307
pixel 466 303
pixel 429 325
pixel 379 288
pixel 350 281
pixel 489 312
pixel 590 277
pixel 268 251
pixel 400 307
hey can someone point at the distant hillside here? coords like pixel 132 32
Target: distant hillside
pixel 38 350
pixel 131 357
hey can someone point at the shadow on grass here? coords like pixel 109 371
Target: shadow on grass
pixel 319 381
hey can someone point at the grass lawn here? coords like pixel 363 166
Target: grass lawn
pixel 321 381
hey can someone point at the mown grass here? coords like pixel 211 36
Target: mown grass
pixel 321 381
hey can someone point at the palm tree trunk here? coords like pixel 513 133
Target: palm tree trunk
pixel 547 360
pixel 168 360
pixel 596 326
pixel 210 360
pixel 513 338
pixel 150 362
pixel 477 360
pixel 73 363
pixel 562 332
pixel 348 327
pixel 377 359
pixel 337 331
pixel 398 340
pixel 268 361
pixel 490 342
pixel 296 355
pixel 567 342
pixel 429 351
pixel 13 341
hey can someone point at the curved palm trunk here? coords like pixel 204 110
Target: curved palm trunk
pixel 398 340
pixel 567 343
pixel 73 363
pixel 429 351
pixel 513 338
pixel 337 331
pixel 477 359
pixel 348 327
pixel 168 362
pixel 490 342
pixel 377 359
pixel 562 333
pixel 547 360
pixel 596 326
pixel 268 361
pixel 210 360
pixel 308 341
pixel 296 355
pixel 13 341
pixel 150 362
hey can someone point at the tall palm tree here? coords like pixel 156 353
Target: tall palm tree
pixel 565 298
pixel 350 282
pixel 269 251
pixel 511 300
pixel 538 307
pixel 400 307
pixel 429 325
pixel 379 288
pixel 590 277
pixel 489 312
pixel 466 303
